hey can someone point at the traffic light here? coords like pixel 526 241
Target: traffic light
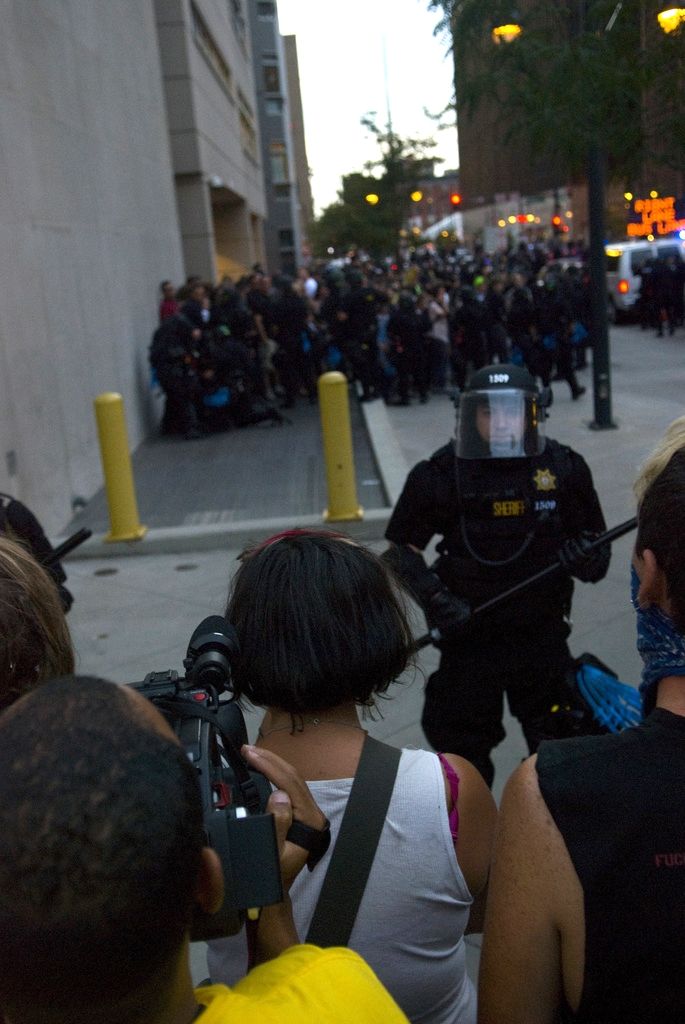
pixel 556 221
pixel 455 198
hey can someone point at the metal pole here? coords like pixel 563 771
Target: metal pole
pixel 116 465
pixel 601 374
pixel 334 407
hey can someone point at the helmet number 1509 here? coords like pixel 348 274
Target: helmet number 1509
pixel 498 378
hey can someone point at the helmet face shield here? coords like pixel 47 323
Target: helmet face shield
pixel 503 423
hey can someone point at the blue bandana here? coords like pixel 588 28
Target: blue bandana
pixel 660 644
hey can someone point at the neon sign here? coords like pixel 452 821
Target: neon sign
pixel 656 217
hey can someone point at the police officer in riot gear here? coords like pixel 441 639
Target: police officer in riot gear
pixel 506 502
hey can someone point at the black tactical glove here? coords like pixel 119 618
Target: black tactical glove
pixel 585 563
pixel 444 611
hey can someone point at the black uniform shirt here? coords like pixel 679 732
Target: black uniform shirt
pixel 501 521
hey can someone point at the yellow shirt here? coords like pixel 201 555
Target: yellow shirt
pixel 304 985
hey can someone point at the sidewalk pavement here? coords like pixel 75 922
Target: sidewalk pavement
pixel 230 488
pixel 135 615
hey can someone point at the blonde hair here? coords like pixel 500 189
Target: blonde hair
pixel 35 644
pixel 658 459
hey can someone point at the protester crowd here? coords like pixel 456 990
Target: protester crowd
pixel 118 845
pixel 234 354
pixel 107 864
pixel 660 303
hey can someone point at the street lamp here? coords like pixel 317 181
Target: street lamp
pixel 506 33
pixel 597 261
pixel 671 19
pixel 371 199
pixel 417 196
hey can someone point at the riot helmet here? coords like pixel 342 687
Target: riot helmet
pixel 500 415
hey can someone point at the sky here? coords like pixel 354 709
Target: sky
pixel 340 54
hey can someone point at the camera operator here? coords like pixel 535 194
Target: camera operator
pixel 103 858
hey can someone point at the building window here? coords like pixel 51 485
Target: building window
pixel 266 11
pixel 273 106
pixel 272 81
pixel 210 51
pixel 279 163
pixel 281 191
pixel 286 239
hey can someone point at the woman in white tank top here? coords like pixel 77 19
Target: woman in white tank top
pixel 322 630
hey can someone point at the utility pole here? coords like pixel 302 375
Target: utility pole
pixel 601 368
pixel 601 359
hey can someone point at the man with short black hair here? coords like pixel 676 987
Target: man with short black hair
pixel 103 859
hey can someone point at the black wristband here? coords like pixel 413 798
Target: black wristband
pixel 315 840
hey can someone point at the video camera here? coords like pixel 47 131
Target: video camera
pixel 234 796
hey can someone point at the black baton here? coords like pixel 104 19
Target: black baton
pixel 604 538
pixel 69 544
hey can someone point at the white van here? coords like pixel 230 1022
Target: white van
pixel 624 262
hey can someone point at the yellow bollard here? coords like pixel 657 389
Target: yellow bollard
pixel 116 465
pixel 337 447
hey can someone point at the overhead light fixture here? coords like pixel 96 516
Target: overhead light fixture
pixel 672 19
pixel 506 33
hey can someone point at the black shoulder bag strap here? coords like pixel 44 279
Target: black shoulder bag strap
pixel 355 848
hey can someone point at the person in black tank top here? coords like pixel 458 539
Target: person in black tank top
pixel 585 917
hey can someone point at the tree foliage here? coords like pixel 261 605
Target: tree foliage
pixel 353 223
pixel 567 83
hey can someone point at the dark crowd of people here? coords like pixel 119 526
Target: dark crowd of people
pixel 111 850
pixel 660 302
pixel 237 353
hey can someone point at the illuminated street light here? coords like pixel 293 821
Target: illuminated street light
pixel 372 198
pixel 530 217
pixel 653 194
pixel 445 234
pixel 501 223
pixel 511 219
pixel 506 33
pixel 670 20
pixel 417 196
pixel 628 196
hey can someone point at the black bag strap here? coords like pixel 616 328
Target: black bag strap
pixel 355 848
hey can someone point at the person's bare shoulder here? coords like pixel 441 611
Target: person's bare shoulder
pixel 533 946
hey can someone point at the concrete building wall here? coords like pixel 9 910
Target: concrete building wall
pixel 305 205
pixel 214 136
pixel 282 235
pixel 89 226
